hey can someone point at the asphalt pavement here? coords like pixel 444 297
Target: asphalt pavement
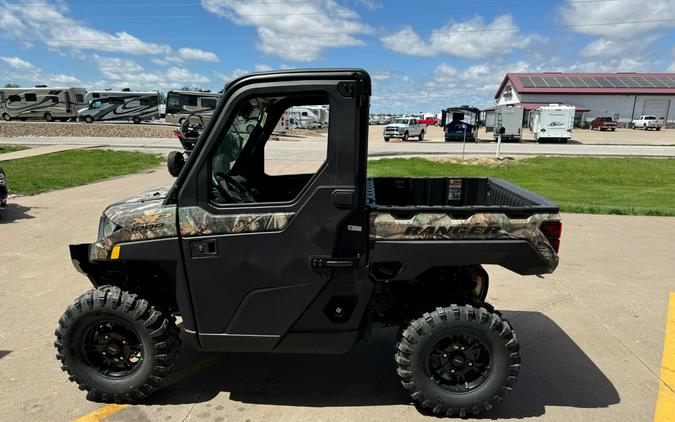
pixel 591 333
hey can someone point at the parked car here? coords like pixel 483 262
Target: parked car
pixel 647 122
pixel 429 121
pixel 603 123
pixel 404 128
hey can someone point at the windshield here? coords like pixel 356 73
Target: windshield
pixel 400 121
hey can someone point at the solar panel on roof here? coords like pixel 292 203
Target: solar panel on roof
pixel 672 81
pixel 616 81
pixel 526 82
pixel 645 83
pixel 658 82
pixel 564 82
pixel 577 82
pixel 551 81
pixel 538 82
pixel 630 82
pixel 591 82
pixel 604 83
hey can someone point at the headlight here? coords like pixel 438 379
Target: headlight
pixel 106 227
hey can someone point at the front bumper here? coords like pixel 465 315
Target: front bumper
pixel 79 255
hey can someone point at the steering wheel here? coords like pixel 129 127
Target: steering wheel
pixel 232 190
pixel 193 129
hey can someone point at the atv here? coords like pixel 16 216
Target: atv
pixel 188 134
pixel 306 263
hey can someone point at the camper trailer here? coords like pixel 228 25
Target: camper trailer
pixel 41 103
pixel 181 104
pixel 511 119
pixel 310 117
pixel 553 122
pixel 120 105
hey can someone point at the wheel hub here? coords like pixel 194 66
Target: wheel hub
pixel 113 348
pixel 460 362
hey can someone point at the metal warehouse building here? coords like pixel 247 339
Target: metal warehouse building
pixel 624 96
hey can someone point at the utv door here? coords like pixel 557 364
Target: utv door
pixel 259 270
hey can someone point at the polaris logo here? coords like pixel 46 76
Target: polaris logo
pixel 457 231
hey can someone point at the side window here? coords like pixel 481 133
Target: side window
pixel 13 98
pixel 30 97
pixel 96 95
pixel 148 101
pixel 55 100
pixel 188 100
pixel 116 100
pixel 96 104
pixel 209 102
pixel 299 143
pixel 262 128
pixel 79 98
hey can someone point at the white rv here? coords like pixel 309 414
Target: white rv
pixel 41 103
pixel 120 105
pixel 511 119
pixel 553 122
pixel 180 104
pixel 310 117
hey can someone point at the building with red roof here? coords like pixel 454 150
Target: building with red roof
pixel 624 96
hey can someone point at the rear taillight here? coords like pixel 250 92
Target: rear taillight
pixel 177 133
pixel 552 231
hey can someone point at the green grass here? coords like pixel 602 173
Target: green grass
pixel 10 148
pixel 28 176
pixel 629 186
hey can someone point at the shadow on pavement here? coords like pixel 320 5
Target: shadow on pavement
pixel 4 353
pixel 555 372
pixel 14 212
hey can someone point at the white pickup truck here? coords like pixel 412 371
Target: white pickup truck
pixel 404 128
pixel 647 122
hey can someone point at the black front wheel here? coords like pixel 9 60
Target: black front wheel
pixel 458 360
pixel 175 162
pixel 115 345
pixel 136 120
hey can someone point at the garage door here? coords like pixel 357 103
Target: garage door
pixel 658 108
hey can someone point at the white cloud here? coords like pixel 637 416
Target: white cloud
pixel 126 73
pixel 195 54
pixel 263 67
pixel 469 39
pixel 227 77
pixel 46 22
pixel 25 72
pixel 298 33
pixel 606 47
pixel 603 18
pixel 17 63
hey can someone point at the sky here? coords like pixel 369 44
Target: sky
pixel 422 56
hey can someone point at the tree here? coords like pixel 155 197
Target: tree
pixel 11 85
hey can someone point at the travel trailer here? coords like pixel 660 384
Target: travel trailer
pixel 310 117
pixel 180 104
pixel 41 103
pixel 511 119
pixel 553 122
pixel 120 105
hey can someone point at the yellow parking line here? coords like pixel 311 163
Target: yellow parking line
pixel 110 409
pixel 665 404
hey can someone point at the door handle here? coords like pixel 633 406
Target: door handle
pixel 204 248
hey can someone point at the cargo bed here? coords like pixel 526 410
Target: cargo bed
pixel 444 221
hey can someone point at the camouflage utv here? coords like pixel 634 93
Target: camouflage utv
pixel 305 263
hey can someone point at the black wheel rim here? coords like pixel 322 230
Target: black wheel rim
pixel 112 348
pixel 460 363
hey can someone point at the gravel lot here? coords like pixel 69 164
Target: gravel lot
pixel 106 130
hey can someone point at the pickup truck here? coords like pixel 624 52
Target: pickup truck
pixel 603 123
pixel 647 122
pixel 404 128
pixel 305 263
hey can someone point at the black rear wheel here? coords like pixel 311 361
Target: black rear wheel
pixel 6 116
pixel 48 117
pixel 116 345
pixel 175 162
pixel 458 360
pixel 136 119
